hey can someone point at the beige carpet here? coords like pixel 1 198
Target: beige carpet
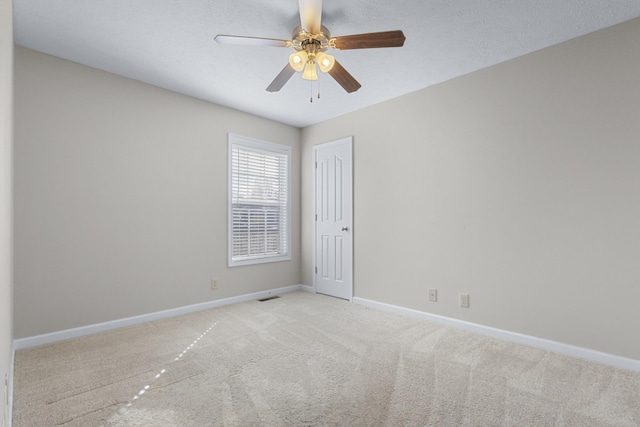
pixel 310 360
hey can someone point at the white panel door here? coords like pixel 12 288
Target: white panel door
pixel 333 219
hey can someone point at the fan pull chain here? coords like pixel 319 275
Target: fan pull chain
pixel 311 90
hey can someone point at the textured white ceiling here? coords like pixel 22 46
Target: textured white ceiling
pixel 169 43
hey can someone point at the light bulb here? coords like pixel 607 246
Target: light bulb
pixel 297 60
pixel 325 62
pixel 310 71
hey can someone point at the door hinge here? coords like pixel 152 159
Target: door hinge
pixel 316 165
pixel 316 217
pixel 316 270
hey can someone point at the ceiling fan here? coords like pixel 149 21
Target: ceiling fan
pixel 311 40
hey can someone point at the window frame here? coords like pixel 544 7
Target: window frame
pixel 270 147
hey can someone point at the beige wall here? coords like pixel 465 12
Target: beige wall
pixel 121 198
pixel 6 83
pixel 518 184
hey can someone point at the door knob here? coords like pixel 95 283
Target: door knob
pixel 345 228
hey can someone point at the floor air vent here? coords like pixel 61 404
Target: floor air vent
pixel 269 298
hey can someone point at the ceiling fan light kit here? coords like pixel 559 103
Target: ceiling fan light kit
pixel 310 41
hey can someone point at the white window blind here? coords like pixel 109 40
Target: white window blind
pixel 259 201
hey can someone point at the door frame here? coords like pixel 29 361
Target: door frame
pixel 348 140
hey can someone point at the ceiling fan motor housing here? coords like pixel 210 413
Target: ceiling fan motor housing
pixel 311 43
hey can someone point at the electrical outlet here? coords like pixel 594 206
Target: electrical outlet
pixel 464 300
pixel 214 284
pixel 433 295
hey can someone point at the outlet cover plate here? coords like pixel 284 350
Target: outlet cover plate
pixel 464 300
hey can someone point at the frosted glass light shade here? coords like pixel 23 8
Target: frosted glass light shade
pixel 310 72
pixel 325 61
pixel 297 60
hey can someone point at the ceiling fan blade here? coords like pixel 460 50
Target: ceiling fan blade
pixel 343 78
pixel 251 41
pixel 370 40
pixel 311 15
pixel 281 79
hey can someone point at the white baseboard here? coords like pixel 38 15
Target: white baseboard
pixel 307 288
pixel 10 387
pixel 558 347
pixel 22 343
pixel 567 349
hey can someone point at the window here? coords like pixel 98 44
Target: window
pixel 258 201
